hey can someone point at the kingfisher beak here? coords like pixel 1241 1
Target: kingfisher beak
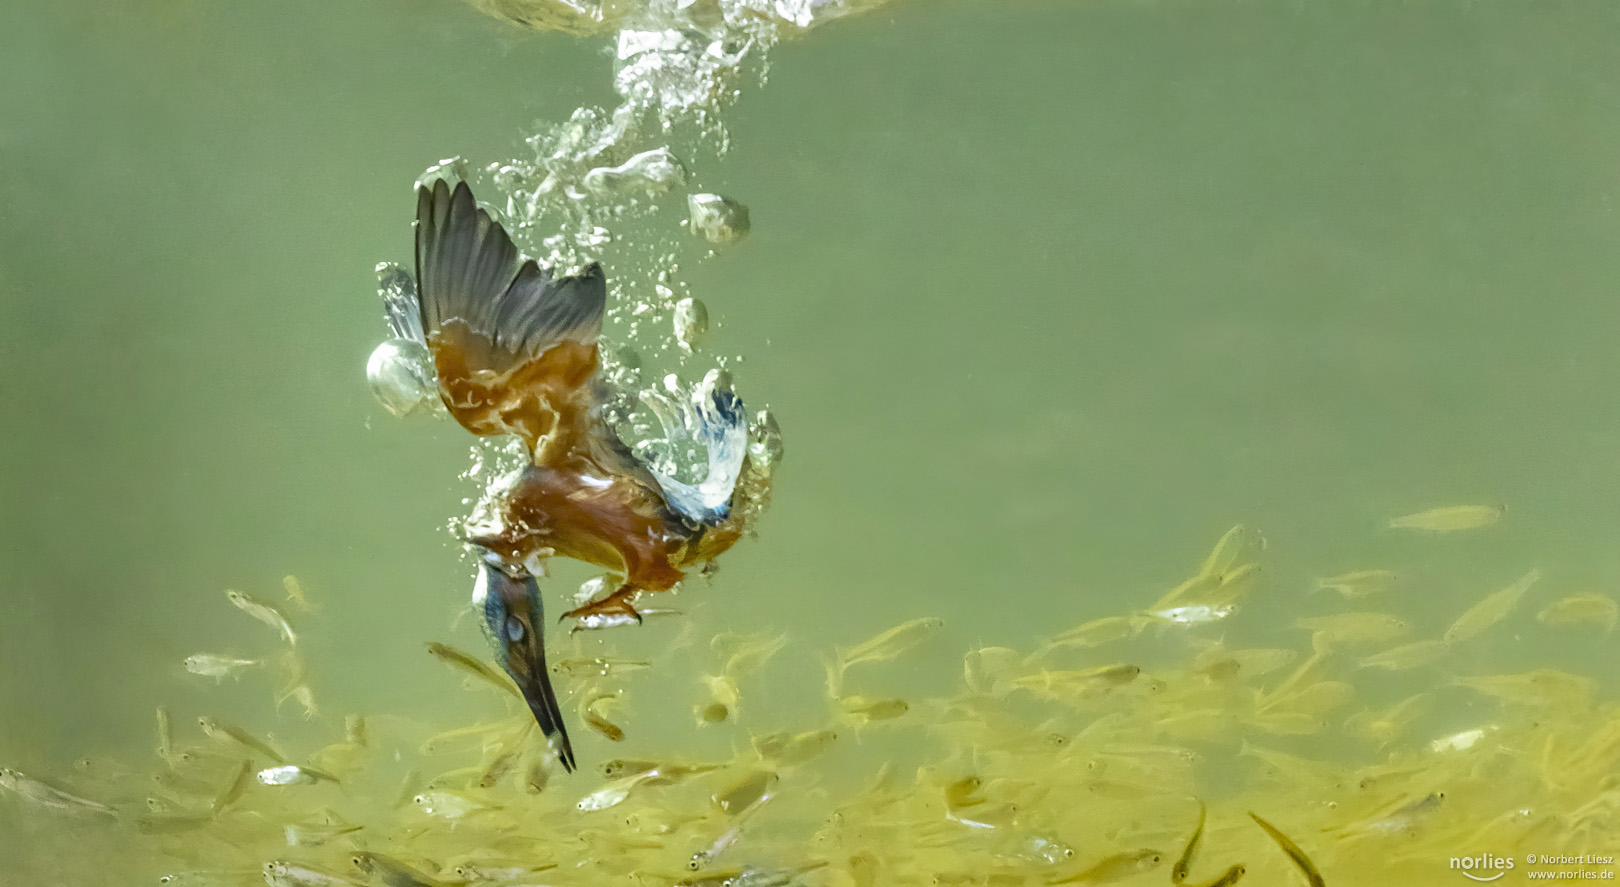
pixel 516 625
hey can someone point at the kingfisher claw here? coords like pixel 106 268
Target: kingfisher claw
pixel 620 603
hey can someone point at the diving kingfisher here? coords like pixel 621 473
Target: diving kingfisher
pixel 512 350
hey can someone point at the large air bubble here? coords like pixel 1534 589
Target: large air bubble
pixel 401 375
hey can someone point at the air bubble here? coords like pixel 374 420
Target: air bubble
pixel 653 172
pixel 691 320
pixel 765 439
pixel 451 168
pixel 401 375
pixel 718 219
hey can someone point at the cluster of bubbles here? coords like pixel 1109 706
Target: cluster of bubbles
pixel 603 185
pixel 773 19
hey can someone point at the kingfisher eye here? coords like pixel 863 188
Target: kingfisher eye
pixel 514 629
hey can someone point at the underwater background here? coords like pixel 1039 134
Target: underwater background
pixel 1046 297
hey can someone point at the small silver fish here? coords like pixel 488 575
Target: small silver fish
pixel 615 792
pixel 471 665
pixel 222 732
pixel 198 879
pixel 1399 821
pixel 1491 609
pixel 1195 614
pixel 598 621
pixel 706 857
pixel 1357 584
pixel 622 767
pixel 264 613
pixel 286 874
pixel 1043 850
pixel 743 795
pixel 1450 519
pixel 390 871
pixel 315 834
pixel 883 647
pixel 292 774
pixel 294 684
pixel 862 710
pixel 536 777
pixel 609 795
pixel 598 721
pixel 474 872
pixel 597 666
pixel 502 764
pixel 233 791
pixel 888 645
pixel 170 824
pixel 1408 656
pixel 752 877
pixel 449 805
pixel 1295 854
pixel 1115 868
pixel 47 795
pixel 1403 818
pixel 295 594
pixel 218 665
pixel 1462 741
pixel 1581 610
pixel 165 734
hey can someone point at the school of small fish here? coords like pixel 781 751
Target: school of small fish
pixel 1132 748
pixel 1359 745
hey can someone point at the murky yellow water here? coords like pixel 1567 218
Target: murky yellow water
pixel 1045 297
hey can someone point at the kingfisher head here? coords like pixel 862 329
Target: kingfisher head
pixel 515 624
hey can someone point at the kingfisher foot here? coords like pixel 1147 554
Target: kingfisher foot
pixel 620 604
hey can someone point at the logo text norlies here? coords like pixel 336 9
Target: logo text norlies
pixel 1484 867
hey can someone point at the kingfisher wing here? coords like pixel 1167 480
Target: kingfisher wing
pixel 514 347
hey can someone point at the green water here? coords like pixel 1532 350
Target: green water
pixel 1045 296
